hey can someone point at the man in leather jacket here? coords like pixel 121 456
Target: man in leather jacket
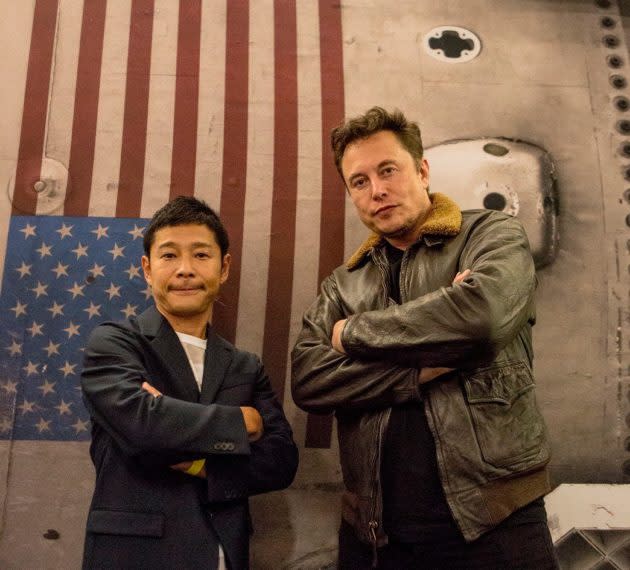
pixel 421 346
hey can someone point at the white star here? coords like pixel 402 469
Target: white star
pixel 40 290
pixel 64 407
pixel 27 406
pixel 93 310
pixel 30 368
pixel 97 270
pixel 36 329
pixel 44 250
pixel 47 387
pixel 136 232
pixel 129 310
pixel 117 251
pixel 60 270
pixel 15 348
pixel 72 329
pixel 20 309
pixel 43 425
pixel 113 291
pixel 76 290
pixel 24 270
pixel 56 309
pixel 65 231
pixel 80 425
pixel 52 348
pixel 5 425
pixel 147 292
pixel 101 231
pixel 10 387
pixel 80 251
pixel 133 271
pixel 67 369
pixel 28 231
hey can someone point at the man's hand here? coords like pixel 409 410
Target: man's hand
pixel 427 374
pixel 184 466
pixel 148 388
pixel 253 423
pixel 461 275
pixel 336 336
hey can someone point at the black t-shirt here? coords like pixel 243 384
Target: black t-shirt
pixel 414 506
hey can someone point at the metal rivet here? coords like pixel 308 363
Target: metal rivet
pixel 614 61
pixel 626 196
pixel 621 103
pixel 627 444
pixel 607 22
pixel 610 41
pixel 495 149
pixel 603 3
pixel 624 149
pixel 618 81
pixel 623 126
pixel 39 186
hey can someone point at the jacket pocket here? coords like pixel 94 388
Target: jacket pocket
pixel 509 427
pixel 126 523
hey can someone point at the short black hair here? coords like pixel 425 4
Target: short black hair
pixel 371 122
pixel 185 210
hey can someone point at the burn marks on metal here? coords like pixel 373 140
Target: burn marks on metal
pixel 618 81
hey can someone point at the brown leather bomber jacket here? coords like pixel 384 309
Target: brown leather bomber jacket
pixel 490 437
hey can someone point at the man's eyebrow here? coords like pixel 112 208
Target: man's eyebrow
pixel 380 165
pixel 194 244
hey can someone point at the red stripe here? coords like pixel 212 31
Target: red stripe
pixel 282 242
pixel 331 241
pixel 134 139
pixel 232 206
pixel 186 99
pixel 85 109
pixel 34 114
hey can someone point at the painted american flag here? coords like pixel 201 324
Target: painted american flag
pixel 62 276
pixel 128 103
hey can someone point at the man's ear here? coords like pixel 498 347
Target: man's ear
pixel 146 267
pixel 225 267
pixel 423 172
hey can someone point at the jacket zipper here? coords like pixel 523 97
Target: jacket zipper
pixel 373 523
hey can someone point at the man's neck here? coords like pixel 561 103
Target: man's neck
pixel 192 326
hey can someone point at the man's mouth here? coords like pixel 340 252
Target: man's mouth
pixel 384 209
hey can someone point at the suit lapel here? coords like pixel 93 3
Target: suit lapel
pixel 167 345
pixel 218 358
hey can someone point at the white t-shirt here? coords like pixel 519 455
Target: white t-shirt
pixel 196 351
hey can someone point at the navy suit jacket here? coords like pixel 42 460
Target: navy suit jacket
pixel 144 514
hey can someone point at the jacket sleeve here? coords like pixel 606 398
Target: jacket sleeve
pixel 462 324
pixel 161 429
pixel 324 380
pixel 273 460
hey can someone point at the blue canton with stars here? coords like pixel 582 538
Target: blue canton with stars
pixel 62 277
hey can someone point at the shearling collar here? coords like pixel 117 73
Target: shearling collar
pixel 445 220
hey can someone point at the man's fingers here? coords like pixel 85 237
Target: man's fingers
pixel 253 423
pixel 153 391
pixel 427 374
pixel 461 275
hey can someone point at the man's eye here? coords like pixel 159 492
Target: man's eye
pixel 388 171
pixel 167 256
pixel 359 183
pixel 202 255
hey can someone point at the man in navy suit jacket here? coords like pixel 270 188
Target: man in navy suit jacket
pixel 184 425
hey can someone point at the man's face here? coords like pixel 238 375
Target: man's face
pixel 386 187
pixel 185 270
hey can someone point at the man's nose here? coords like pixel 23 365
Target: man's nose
pixel 379 188
pixel 185 268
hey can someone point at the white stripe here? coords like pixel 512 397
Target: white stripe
pixel 111 107
pixel 158 159
pixel 15 38
pixel 61 107
pixel 258 199
pixel 309 184
pixel 209 166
